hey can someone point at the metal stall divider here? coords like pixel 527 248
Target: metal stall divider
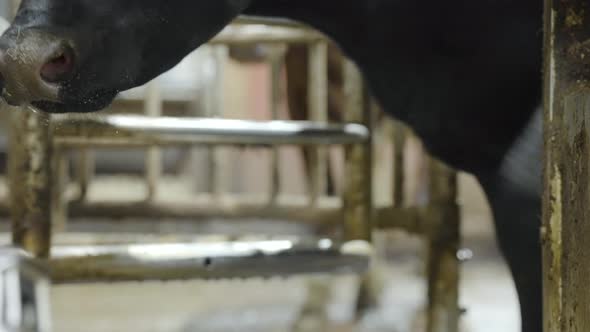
pixel 153 167
pixel 215 109
pixel 35 162
pixel 24 286
pixel 565 229
pixel 318 108
pixel 276 62
pixel 184 260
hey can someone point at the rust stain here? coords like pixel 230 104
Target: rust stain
pixel 555 224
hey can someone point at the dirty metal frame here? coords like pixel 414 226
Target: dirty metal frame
pixel 38 168
pixel 82 132
pixel 37 154
pixel 565 230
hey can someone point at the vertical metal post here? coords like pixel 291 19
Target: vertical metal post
pixel 29 171
pixel 193 169
pixel 59 199
pixel 399 143
pixel 357 199
pixel 318 109
pixel 153 107
pixel 313 316
pixel 566 227
pixel 276 66
pixel 85 172
pixel 30 181
pixel 443 243
pixel 215 108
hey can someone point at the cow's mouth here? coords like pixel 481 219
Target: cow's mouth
pixel 98 101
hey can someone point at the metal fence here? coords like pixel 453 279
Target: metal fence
pixel 40 203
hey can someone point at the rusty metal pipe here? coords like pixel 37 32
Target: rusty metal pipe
pixel 276 63
pixel 140 130
pixel 153 163
pixel 358 204
pixel 249 34
pixel 318 109
pixel 205 260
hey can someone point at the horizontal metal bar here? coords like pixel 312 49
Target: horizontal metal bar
pixel 134 130
pixel 412 220
pixel 235 34
pixel 205 260
pixel 271 21
pixel 328 216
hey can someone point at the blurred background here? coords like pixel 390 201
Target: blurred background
pixel 487 293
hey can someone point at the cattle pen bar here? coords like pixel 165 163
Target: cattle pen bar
pixel 268 21
pixel 136 130
pixel 205 259
pixel 37 189
pixel 248 34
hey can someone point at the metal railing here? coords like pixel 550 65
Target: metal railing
pixel 38 182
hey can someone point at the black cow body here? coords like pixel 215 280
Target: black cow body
pixel 464 74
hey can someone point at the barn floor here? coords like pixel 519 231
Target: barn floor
pixel 264 306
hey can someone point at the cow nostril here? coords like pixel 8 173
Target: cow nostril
pixel 59 67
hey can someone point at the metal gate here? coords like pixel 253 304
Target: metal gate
pixel 39 202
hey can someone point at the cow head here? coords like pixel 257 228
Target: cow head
pixel 76 55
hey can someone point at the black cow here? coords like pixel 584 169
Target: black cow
pixel 464 74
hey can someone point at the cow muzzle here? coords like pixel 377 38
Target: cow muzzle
pixel 33 66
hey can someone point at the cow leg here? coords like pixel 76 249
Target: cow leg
pixel 517 220
pixel 514 193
